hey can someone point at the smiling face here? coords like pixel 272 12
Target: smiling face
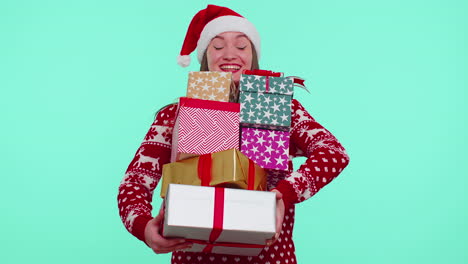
pixel 230 52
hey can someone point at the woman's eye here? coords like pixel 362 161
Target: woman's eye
pixel 242 48
pixel 217 48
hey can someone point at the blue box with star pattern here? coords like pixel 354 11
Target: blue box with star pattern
pixel 265 101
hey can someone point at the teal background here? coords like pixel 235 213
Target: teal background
pixel 80 82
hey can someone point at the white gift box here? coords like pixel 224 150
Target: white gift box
pixel 248 217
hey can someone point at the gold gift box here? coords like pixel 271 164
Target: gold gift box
pixel 229 168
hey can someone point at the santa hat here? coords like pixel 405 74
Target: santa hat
pixel 208 23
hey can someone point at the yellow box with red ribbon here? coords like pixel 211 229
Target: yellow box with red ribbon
pixel 220 220
pixel 229 168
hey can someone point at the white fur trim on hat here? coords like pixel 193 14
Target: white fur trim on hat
pixel 183 60
pixel 225 24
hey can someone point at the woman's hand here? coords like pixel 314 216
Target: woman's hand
pixel 279 216
pixel 158 243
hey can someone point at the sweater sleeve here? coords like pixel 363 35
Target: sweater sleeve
pixel 144 172
pixel 326 158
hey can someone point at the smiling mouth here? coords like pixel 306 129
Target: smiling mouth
pixel 230 67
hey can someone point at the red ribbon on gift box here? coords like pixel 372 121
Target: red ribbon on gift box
pixel 251 175
pixel 204 173
pixel 263 73
pixel 298 81
pixel 208 104
pixel 204 169
pixel 218 219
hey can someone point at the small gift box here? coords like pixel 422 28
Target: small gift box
pixel 229 168
pixel 204 126
pixel 220 220
pixel 265 100
pixel 209 85
pixel 267 148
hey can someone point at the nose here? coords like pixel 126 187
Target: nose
pixel 229 53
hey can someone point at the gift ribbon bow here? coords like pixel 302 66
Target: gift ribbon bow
pixel 297 81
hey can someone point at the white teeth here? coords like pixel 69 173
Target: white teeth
pixel 228 67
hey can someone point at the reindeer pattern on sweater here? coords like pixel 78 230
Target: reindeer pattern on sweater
pixel 326 158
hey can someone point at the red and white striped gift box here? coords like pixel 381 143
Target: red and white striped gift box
pixel 204 126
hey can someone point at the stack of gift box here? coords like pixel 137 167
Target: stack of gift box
pixel 215 194
pixel 265 118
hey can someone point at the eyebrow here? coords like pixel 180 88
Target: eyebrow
pixel 241 35
pixel 238 36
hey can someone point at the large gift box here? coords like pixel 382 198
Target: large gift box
pixel 209 85
pixel 204 126
pixel 265 100
pixel 267 148
pixel 220 220
pixel 229 168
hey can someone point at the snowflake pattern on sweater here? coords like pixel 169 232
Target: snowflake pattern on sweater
pixel 326 158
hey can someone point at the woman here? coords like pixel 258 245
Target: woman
pixel 226 41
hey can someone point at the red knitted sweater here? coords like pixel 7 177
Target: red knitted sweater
pixel 326 158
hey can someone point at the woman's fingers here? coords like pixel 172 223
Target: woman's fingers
pixel 279 217
pixel 160 217
pixel 156 241
pixel 162 250
pixel 183 246
pixel 162 242
pixel 272 240
pixel 162 245
pixel 279 195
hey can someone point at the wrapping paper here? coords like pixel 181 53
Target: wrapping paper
pixel 228 168
pixel 265 100
pixel 209 85
pixel 204 126
pixel 220 220
pixel 267 148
